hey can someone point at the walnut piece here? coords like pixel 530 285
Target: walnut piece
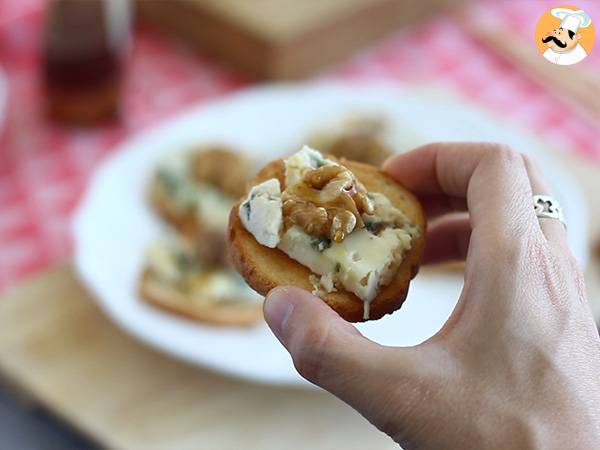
pixel 328 202
pixel 311 218
pixel 318 178
pixel 222 168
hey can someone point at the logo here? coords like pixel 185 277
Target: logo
pixel 565 35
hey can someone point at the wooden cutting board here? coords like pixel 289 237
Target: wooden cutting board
pixel 58 349
pixel 283 39
pixel 61 351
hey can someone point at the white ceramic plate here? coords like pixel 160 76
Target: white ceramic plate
pixel 114 224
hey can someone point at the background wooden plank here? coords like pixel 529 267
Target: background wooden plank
pixel 64 352
pixel 284 39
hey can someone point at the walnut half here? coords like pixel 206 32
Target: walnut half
pixel 328 202
pixel 222 168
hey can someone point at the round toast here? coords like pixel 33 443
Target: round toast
pixel 156 292
pixel 265 268
pixel 185 222
pixel 216 166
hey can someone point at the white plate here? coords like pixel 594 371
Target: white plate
pixel 114 224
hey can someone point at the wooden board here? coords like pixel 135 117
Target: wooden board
pixel 58 348
pixel 283 39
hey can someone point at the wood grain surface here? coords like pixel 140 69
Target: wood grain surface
pixel 284 39
pixel 57 347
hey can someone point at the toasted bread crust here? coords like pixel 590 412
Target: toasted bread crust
pixel 265 268
pixel 158 294
pixel 185 222
pixel 208 242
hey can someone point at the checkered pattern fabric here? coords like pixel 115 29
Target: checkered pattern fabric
pixel 44 168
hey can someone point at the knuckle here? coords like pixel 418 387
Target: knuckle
pixel 504 159
pixel 505 248
pixel 532 166
pixel 528 160
pixel 505 154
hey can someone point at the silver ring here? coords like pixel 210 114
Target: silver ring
pixel 547 208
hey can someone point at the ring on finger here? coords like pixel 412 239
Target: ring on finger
pixel 546 207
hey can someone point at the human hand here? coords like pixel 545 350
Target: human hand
pixel 516 365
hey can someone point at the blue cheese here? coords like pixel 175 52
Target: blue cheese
pixel 261 212
pixel 301 162
pixel 213 206
pixel 172 261
pixel 162 260
pixel 210 204
pixel 385 215
pixel 223 286
pixel 361 263
pixel 322 284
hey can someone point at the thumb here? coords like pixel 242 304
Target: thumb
pixel 327 350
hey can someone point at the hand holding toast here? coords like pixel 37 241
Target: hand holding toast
pixel 517 363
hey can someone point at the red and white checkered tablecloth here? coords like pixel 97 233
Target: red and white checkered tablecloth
pixel 44 168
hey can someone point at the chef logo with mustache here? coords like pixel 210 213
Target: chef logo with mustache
pixel 565 35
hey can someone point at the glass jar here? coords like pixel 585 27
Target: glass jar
pixel 84 49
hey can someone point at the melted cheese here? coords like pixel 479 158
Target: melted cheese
pixel 164 258
pixel 361 263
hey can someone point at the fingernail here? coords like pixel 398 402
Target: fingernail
pixel 277 310
pixel 387 163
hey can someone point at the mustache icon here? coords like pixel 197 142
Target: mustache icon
pixel 555 40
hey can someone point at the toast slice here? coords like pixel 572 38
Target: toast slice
pixel 194 190
pixel 175 280
pixel 158 293
pixel 265 268
pixel 209 241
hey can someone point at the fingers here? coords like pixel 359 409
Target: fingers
pixel 384 384
pixel 491 177
pixel 447 239
pixel 326 349
pixel 440 204
pixel 553 229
